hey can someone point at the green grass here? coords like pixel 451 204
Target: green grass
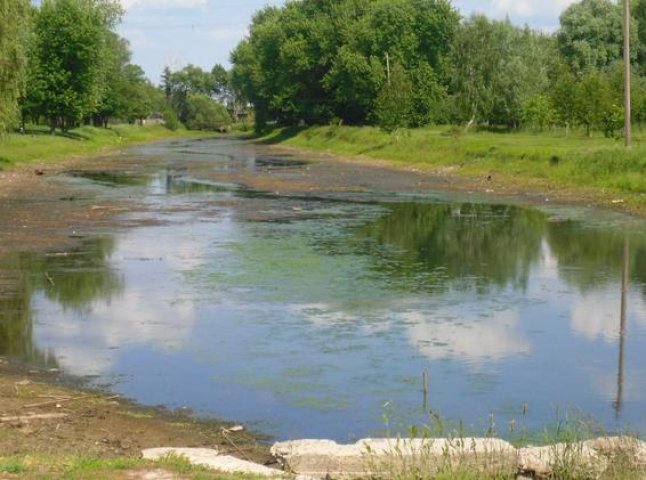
pixel 83 468
pixel 37 145
pixel 595 167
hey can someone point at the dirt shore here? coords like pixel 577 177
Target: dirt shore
pixel 39 414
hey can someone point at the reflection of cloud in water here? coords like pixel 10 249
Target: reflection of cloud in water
pixel 323 314
pixel 88 343
pixel 153 310
pixel 465 337
pixel 596 314
pixel 474 340
pixel 550 263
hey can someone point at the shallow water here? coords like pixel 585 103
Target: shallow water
pixel 316 316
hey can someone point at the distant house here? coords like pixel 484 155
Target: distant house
pixel 155 118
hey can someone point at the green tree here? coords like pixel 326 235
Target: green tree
pixel 221 85
pixel 70 57
pixel 590 34
pixel 394 103
pixel 111 102
pixel 497 68
pixel 429 97
pixel 313 60
pixel 353 82
pixel 14 40
pixel 593 100
pixel 182 84
pixel 204 113
pixel 561 91
pixel 538 112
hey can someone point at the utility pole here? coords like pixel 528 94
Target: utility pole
pixel 388 68
pixel 627 114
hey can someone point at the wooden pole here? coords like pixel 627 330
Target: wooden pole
pixel 627 113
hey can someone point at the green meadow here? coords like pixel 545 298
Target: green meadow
pixel 38 145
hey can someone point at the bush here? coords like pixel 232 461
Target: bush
pixel 538 112
pixel 204 113
pixel 170 119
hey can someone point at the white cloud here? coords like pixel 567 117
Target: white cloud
pixel 160 4
pixel 530 11
pixel 529 8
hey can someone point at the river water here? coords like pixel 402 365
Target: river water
pixel 318 315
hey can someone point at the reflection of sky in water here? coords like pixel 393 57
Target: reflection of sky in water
pixel 309 328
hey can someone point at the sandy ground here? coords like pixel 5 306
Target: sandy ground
pixel 39 415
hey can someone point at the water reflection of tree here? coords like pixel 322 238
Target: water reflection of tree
pixel 74 279
pixel 591 258
pixel 78 277
pixel 470 245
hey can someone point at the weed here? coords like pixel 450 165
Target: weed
pixel 12 465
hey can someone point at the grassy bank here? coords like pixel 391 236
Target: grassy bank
pixel 596 168
pixel 37 145
pixel 83 468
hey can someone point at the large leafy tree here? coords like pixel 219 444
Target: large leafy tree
pixel 590 35
pixel 498 67
pixel 14 40
pixel 180 85
pixel 70 56
pixel 317 59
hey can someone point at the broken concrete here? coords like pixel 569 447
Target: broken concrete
pixel 324 458
pixel 208 457
pixel 389 458
pixel 543 462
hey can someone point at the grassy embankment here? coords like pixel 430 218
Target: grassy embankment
pixel 595 168
pixel 37 145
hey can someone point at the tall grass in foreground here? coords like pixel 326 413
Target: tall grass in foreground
pixel 597 166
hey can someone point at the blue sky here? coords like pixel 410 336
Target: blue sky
pixel 203 32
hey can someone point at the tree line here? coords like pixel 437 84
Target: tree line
pixel 62 64
pixel 410 63
pixel 393 63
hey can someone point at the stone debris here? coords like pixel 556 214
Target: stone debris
pixel 541 462
pixel 325 458
pixel 209 457
pixel 383 458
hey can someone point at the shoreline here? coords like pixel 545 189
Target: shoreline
pixel 459 174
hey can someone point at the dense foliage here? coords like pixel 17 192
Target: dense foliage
pixel 14 37
pixel 393 63
pixel 62 64
pixel 408 63
pixel 316 60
